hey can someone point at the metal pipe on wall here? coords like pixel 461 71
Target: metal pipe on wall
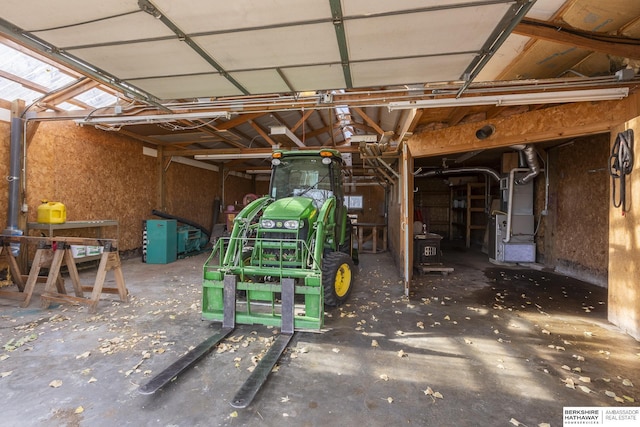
pixel 13 205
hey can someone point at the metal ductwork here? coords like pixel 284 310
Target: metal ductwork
pixel 454 171
pixel 531 158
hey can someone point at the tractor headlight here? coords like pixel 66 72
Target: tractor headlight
pixel 267 223
pixel 292 224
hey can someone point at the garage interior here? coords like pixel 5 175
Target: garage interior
pixel 488 130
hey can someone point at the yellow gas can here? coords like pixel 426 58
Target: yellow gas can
pixel 52 213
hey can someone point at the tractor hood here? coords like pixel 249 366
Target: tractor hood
pixel 291 208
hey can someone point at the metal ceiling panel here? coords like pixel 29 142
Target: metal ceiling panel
pixel 273 47
pixel 261 81
pixel 203 16
pixel 131 27
pixel 150 59
pixel 318 77
pixel 38 15
pixel 194 86
pixel 418 34
pixel 407 71
pixel 354 8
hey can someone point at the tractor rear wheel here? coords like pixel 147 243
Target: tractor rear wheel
pixel 338 272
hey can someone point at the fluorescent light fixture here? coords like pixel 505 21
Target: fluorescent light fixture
pixel 364 138
pixel 517 99
pixel 283 130
pixel 155 118
pixel 232 156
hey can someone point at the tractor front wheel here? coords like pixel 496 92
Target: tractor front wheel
pixel 338 272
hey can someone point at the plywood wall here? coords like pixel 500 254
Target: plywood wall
pixel 624 250
pixel 104 175
pixel 573 238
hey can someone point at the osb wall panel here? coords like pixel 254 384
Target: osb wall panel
pixel 579 206
pixel 235 188
pixel 97 175
pixel 190 193
pixel 4 171
pixel 624 250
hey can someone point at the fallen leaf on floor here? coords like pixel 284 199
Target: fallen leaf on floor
pixel 544 331
pixel 285 399
pixel 79 410
pixel 468 341
pixel 447 317
pixel 234 414
pixel 515 422
pixel 92 380
pixel 544 425
pixel 565 367
pixel 588 334
pixel 428 391
pixel 585 379
pixel 577 369
pixel 569 383
pixel 5 374
pixel 374 343
pixel 578 358
pixel 401 353
pixel 610 394
pixel 4 357
pixel 384 377
pixel 83 355
pixel 629 398
pixel 335 350
pixel 627 382
pixel 55 383
pixel 420 325
pixel 390 399
pixel 585 389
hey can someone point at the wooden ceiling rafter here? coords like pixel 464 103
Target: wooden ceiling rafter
pixel 614 45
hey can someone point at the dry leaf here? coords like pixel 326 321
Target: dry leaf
pixel 585 379
pixel 585 389
pixel 610 393
pixel 515 422
pixel 335 350
pixel 55 383
pixel 544 425
pixel 565 367
pixel 285 399
pixel 629 398
pixel 428 391
pixel 384 377
pixel 618 399
pixel 390 399
pixel 627 382
pixel 374 343
pixel 92 380
pixel 438 395
pixel 544 331
pixel 569 383
pixel 401 353
pixel 83 355
pixel 234 414
pixel 79 410
pixel 420 325
pixel 5 374
pixel 468 341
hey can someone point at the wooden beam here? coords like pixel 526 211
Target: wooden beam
pixel 368 119
pixel 612 45
pixel 559 122
pixel 304 118
pixel 262 133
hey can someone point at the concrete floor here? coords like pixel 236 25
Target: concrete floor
pixel 482 346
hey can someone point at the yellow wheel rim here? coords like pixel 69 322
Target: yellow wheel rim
pixel 343 280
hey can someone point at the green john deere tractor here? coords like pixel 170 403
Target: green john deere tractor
pixel 289 253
